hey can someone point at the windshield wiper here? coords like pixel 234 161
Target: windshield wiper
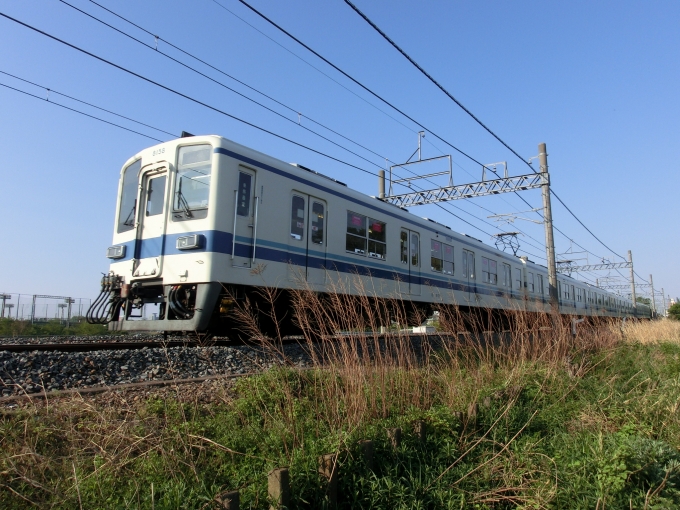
pixel 130 220
pixel 181 201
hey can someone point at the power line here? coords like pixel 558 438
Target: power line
pixel 50 90
pixel 86 114
pixel 204 104
pixel 374 94
pixel 221 71
pixel 185 96
pixel 157 37
pixel 197 102
pixel 306 62
pixel 583 225
pixel 226 86
pixel 434 81
pixel 450 96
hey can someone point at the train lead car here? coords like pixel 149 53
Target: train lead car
pixel 201 221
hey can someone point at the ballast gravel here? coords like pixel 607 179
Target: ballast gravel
pixel 36 371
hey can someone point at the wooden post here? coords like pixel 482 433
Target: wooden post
pixel 229 500
pixel 420 431
pixel 279 488
pixel 328 468
pixel 367 449
pixel 394 436
pixel 473 411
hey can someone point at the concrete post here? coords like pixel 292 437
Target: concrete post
pixel 328 468
pixel 651 282
pixel 421 431
pixel 367 449
pixel 549 234
pixel 394 436
pixel 278 481
pixel 381 184
pixel 229 500
pixel 632 281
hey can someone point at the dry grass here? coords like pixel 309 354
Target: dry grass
pixel 646 332
pixel 57 455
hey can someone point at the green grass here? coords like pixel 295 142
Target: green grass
pixel 607 437
pixel 78 327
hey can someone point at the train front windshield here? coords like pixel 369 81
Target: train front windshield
pixel 192 184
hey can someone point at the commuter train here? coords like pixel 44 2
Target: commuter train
pixel 202 221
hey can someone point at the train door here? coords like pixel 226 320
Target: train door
pixel 316 240
pixel 410 257
pixel 245 218
pixel 150 239
pixel 469 274
pixel 307 240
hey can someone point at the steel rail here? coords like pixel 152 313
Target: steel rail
pixel 109 346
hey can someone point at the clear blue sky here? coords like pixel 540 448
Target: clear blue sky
pixel 597 81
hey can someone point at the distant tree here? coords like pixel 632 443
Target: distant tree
pixel 674 312
pixel 643 300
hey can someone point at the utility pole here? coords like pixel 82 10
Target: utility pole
pixel 663 296
pixel 651 282
pixel 632 279
pixel 549 235
pixel 4 297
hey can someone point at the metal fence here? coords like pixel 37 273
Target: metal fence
pixel 42 308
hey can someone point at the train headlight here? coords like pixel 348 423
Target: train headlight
pixel 116 252
pixel 190 242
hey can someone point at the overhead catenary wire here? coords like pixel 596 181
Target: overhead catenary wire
pixel 53 91
pixel 390 104
pixel 217 110
pixel 254 89
pixel 226 86
pixel 183 95
pixel 86 114
pixel 466 110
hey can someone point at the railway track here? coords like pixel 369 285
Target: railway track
pixel 109 346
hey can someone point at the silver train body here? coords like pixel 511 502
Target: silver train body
pixel 202 219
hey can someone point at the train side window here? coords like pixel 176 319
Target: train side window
pixel 507 275
pixel 128 197
pixel 448 258
pixel 355 240
pixel 377 239
pixel 403 243
pixel 245 182
pixel 297 218
pixel 468 264
pixel 415 249
pixel 539 277
pixel 518 278
pixel 155 196
pixel 436 260
pixel 317 223
pixel 489 271
pixel 530 281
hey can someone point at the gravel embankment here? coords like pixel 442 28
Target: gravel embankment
pixel 35 371
pixel 136 337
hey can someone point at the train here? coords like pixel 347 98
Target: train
pixel 202 221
